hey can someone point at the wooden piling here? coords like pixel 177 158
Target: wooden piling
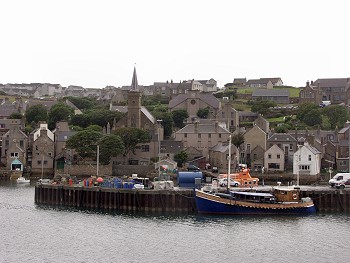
pixel 158 201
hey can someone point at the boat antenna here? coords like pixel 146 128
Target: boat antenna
pixel 229 165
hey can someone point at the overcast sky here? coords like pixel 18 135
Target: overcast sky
pixel 97 43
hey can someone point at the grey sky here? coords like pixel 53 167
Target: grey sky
pixel 97 43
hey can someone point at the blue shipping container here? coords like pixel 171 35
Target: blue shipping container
pixel 188 179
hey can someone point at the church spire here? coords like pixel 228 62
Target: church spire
pixel 134 84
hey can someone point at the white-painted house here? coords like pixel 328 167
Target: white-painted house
pixel 307 160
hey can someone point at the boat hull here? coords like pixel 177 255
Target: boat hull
pixel 211 204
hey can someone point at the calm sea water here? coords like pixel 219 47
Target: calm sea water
pixel 29 233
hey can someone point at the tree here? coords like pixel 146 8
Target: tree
pixel 203 113
pixel 237 140
pixel 178 117
pixel 304 109
pixel 131 137
pixel 85 142
pixel 36 113
pixel 81 120
pixel 82 103
pixel 97 116
pixel 337 115
pixel 313 118
pixel 59 112
pixel 230 92
pixel 94 128
pixel 262 106
pixel 181 158
pixel 111 145
pixel 167 122
pixel 15 115
pixel 103 116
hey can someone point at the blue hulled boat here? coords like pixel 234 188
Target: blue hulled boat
pixel 281 201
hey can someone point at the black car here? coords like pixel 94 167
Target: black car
pixel 193 168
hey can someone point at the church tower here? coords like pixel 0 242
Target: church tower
pixel 134 104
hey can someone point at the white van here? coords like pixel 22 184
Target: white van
pixel 340 180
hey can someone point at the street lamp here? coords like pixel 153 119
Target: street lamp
pixel 348 123
pixel 298 163
pixel 98 159
pixel 158 128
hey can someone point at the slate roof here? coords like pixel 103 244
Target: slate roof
pixel 312 149
pixel 208 98
pixel 270 93
pixel 343 130
pixel 332 83
pixel 202 128
pixel 124 109
pixel 248 113
pixel 239 81
pixel 148 114
pixel 61 136
pixel 281 137
pixel 170 146
pixel 257 81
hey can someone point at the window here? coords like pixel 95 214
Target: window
pixel 248 148
pixel 199 135
pixel 304 167
pixel 14 155
pixel 342 162
pixel 269 156
pixel 278 156
pixel 185 135
pixel 219 135
pixel 309 157
pixel 144 148
pixel 21 143
pixel 39 161
pixel 291 147
pixel 274 166
pixel 50 154
pixel 209 135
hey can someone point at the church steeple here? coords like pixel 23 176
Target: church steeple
pixel 134 84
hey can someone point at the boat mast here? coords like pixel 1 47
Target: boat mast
pixel 229 165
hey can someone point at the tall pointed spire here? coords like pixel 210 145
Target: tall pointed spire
pixel 134 84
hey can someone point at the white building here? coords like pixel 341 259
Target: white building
pixel 307 160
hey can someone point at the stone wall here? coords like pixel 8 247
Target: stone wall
pixel 106 170
pixel 86 170
pixel 128 170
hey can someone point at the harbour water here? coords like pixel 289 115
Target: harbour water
pixel 29 233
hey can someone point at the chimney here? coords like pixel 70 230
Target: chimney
pixel 307 83
pixel 312 82
pixel 196 126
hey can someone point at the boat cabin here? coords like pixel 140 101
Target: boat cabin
pixel 286 194
pixel 254 197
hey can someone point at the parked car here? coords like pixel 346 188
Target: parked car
pixel 233 183
pixel 193 168
pixel 214 169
